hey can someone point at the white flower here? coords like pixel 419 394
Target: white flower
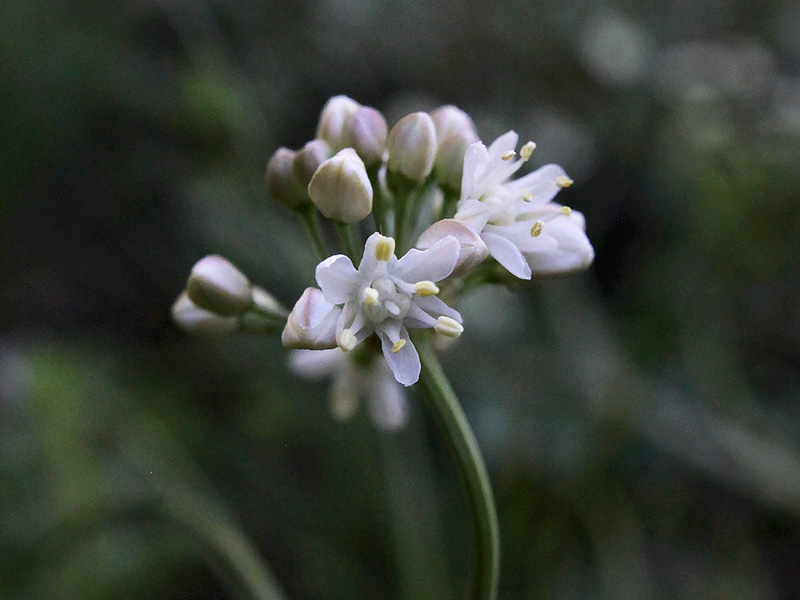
pixel 375 383
pixel 312 323
pixel 523 229
pixel 386 295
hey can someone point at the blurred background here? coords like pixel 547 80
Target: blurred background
pixel 640 421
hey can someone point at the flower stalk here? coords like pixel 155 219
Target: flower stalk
pixel 447 411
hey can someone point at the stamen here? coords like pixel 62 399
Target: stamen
pixel 526 151
pixel 371 296
pixel 563 182
pixel 426 288
pixel 536 230
pixel 347 340
pixel 527 196
pixel 566 210
pixel 384 249
pixel 507 155
pixel 448 327
pixel 398 346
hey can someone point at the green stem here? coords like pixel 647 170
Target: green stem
pixel 309 215
pixel 380 203
pixel 447 411
pixel 347 235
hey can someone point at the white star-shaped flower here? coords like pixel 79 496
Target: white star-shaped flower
pixel 522 228
pixel 387 295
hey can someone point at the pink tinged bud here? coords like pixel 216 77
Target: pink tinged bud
pixel 308 159
pixel 216 285
pixel 312 323
pixel 340 188
pixel 192 319
pixel 333 120
pixel 455 132
pixel 366 132
pixel 472 250
pixel 412 146
pixel 281 181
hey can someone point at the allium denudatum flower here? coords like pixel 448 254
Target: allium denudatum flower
pixel 386 292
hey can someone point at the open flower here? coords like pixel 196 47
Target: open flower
pixel 373 383
pixel 387 295
pixel 522 228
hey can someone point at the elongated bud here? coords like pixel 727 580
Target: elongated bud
pixel 340 188
pixel 282 183
pixel 192 319
pixel 455 132
pixel 333 120
pixel 365 132
pixel 312 323
pixel 412 146
pixel 308 159
pixel 472 250
pixel 216 285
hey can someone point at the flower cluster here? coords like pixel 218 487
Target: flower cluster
pixel 433 202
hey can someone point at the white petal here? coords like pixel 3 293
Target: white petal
pixel 337 278
pixel 416 318
pixel 387 404
pixel 433 264
pixel 507 254
pixel 506 142
pixel 541 183
pixel 475 158
pixel 574 252
pixel 519 234
pixel 436 308
pixel 473 213
pixel 472 250
pixel 404 364
pixel 316 364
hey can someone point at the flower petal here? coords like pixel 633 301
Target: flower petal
pixel 405 364
pixel 337 278
pixel 473 213
pixel 316 364
pixel 507 254
pixel 475 158
pixel 436 308
pixel 574 252
pixel 541 183
pixel 433 264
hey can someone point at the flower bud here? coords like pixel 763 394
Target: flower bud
pixel 365 132
pixel 455 132
pixel 340 188
pixel 472 250
pixel 308 159
pixel 282 183
pixel 412 146
pixel 216 285
pixel 198 321
pixel 312 323
pixel 333 120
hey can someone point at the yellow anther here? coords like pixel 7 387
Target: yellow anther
pixel 527 196
pixel 384 249
pixel 536 230
pixel 507 155
pixel 347 340
pixel 448 327
pixel 426 288
pixel 566 210
pixel 563 181
pixel 398 346
pixel 526 151
pixel 371 296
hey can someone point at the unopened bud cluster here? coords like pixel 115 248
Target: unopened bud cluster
pixel 421 211
pixel 220 300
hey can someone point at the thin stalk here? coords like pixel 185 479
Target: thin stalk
pixel 311 222
pixel 380 202
pixel 450 417
pixel 347 234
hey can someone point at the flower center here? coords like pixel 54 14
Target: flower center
pixel 382 300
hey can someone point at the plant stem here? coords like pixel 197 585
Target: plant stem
pixel 348 237
pixel 312 227
pixel 447 411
